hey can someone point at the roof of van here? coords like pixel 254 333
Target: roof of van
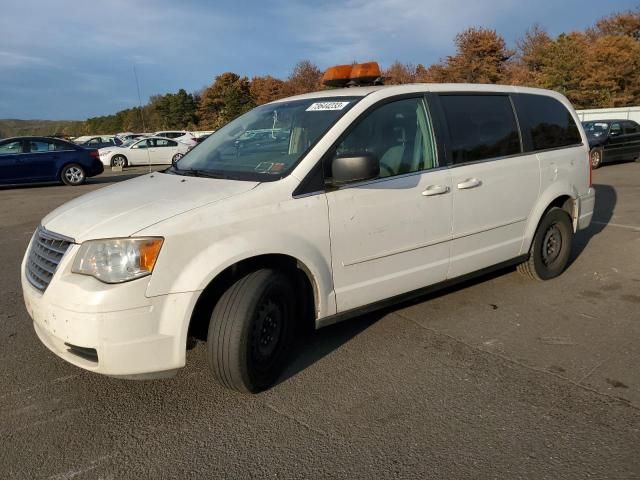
pixel 418 87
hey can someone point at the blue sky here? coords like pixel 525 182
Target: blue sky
pixel 72 59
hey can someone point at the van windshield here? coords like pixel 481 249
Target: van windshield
pixel 265 143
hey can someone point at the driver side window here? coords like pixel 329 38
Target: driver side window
pixel 399 133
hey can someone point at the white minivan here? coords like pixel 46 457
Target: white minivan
pixel 343 201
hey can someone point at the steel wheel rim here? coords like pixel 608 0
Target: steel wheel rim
pixel 268 330
pixel 595 158
pixel 551 244
pixel 118 162
pixel 177 157
pixel 73 175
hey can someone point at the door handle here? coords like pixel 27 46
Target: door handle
pixel 432 190
pixel 469 183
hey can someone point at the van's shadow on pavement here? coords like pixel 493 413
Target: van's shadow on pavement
pixel 313 346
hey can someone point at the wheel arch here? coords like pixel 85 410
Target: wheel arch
pixel 560 196
pixel 302 278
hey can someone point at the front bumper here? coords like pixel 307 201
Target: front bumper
pixel 586 205
pixel 133 336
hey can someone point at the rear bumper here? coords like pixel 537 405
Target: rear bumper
pixel 586 205
pixel 96 168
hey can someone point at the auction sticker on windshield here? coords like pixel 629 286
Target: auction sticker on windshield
pixel 323 106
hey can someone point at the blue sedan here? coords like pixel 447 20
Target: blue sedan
pixel 43 159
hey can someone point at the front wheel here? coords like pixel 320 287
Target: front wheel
pixel 251 331
pixel 551 246
pixel 595 157
pixel 73 174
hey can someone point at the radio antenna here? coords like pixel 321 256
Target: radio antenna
pixel 144 128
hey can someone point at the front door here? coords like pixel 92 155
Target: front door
pixel 391 235
pixel 615 147
pixel 138 154
pixel 12 167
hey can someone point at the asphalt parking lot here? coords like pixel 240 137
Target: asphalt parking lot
pixel 501 377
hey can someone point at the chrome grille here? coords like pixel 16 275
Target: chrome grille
pixel 47 249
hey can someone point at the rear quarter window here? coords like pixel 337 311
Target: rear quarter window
pixel 549 123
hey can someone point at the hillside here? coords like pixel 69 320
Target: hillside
pixel 12 127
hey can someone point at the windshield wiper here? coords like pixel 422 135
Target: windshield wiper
pixel 194 172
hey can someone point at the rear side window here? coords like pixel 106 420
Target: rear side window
pixel 550 122
pixel 42 146
pixel 631 127
pixel 480 127
pixel 161 142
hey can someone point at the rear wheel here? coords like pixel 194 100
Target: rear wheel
pixel 73 174
pixel 119 161
pixel 595 157
pixel 551 246
pixel 251 331
pixel 176 157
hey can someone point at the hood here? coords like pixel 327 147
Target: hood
pixel 130 206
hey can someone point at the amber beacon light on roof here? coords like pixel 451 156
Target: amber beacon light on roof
pixel 358 74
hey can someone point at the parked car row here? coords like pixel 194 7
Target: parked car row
pixel 47 159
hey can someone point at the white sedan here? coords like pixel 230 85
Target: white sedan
pixel 143 151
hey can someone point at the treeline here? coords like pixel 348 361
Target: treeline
pixel 595 69
pixel 599 67
pixel 14 128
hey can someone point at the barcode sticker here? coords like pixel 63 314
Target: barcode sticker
pixel 323 106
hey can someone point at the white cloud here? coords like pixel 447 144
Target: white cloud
pixel 387 29
pixel 11 59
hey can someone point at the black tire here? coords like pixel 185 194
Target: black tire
pixel 595 157
pixel 551 246
pixel 119 161
pixel 73 174
pixel 251 331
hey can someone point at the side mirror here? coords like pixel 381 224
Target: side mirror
pixel 354 167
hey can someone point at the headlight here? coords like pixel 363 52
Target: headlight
pixel 117 260
pixel 104 153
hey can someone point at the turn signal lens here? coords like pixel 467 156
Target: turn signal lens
pixel 149 253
